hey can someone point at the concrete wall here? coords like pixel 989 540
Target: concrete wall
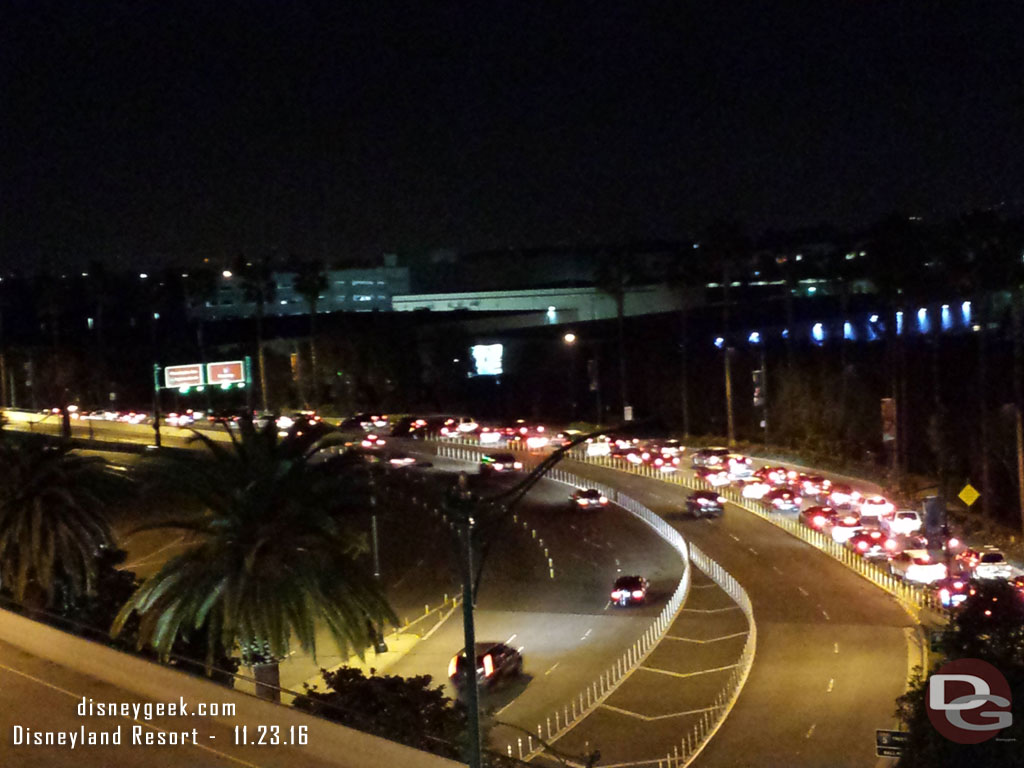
pixel 332 743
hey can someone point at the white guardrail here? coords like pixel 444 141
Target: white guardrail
pixel 562 720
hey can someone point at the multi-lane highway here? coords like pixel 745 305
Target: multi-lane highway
pixel 832 650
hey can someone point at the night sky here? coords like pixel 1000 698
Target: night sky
pixel 146 132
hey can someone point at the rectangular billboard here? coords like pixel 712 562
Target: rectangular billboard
pixel 230 372
pixel 176 376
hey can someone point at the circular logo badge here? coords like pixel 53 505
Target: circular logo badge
pixel 968 701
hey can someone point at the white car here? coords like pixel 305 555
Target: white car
pixel 992 565
pixel 739 466
pixel 904 522
pixel 918 566
pixel 844 527
pixel 876 507
pixel 753 488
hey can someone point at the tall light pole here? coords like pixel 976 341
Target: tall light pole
pixel 761 384
pixel 569 339
pixel 730 425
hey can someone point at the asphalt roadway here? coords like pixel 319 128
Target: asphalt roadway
pixel 832 650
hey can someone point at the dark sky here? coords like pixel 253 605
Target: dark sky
pixel 146 131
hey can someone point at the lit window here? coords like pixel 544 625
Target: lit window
pixel 362 298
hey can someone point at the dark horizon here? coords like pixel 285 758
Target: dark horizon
pixel 142 135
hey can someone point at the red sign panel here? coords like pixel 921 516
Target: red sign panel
pixel 183 375
pixel 225 373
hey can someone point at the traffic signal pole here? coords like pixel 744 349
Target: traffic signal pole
pixel 156 404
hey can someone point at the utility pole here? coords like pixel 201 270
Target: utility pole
pixel 729 420
pixel 156 404
pixel 461 503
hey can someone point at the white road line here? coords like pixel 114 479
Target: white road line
pixel 687 674
pixel 586 634
pixel 810 731
pixel 826 616
pixel 79 697
pixel 552 668
pixel 498 712
pixel 509 641
pixel 710 640
pixel 776 569
pixel 802 591
pixel 831 685
pixel 734 537
pixel 712 610
pixel 649 718
pixel 835 647
pixel 752 550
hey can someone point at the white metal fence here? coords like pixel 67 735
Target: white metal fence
pixel 561 720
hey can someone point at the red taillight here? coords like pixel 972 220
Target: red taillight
pixel 890 544
pixel 953 543
pixel 499 465
pixel 862 545
pixel 944 594
pixel 616 594
pixel 583 502
pixel 488 665
pixel 958 584
pixel 818 521
pixel 452 666
pixel 604 499
pixel 517 465
pixel 637 594
pixel 797 500
pixel 720 499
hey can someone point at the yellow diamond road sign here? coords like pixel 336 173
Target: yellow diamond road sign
pixel 969 495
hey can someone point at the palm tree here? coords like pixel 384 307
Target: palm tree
pixel 53 519
pixel 273 556
pixel 259 287
pixel 310 282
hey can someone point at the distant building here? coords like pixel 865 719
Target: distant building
pixel 348 290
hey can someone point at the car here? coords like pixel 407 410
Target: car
pixel 587 498
pixel 738 466
pixel 709 457
pixel 373 441
pixel 817 517
pixel 629 590
pixel 874 508
pixel 902 522
pixel 783 499
pixel 500 462
pixel 368 422
pixel 917 565
pixel 775 475
pixel 842 496
pixel 400 459
pixel 815 487
pixel 842 526
pixel 705 504
pixel 752 487
pixel 713 477
pixel 951 590
pixel 872 545
pixel 986 563
pixel 494 662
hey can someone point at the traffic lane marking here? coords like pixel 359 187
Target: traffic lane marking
pixel 709 640
pixel 687 674
pixel 651 718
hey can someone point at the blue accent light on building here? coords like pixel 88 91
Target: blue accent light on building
pixel 848 332
pixel 965 313
pixel 818 333
pixel 754 338
pixel 899 323
pixel 947 318
pixel 924 325
pixel 785 333
pixel 873 319
pixel 719 342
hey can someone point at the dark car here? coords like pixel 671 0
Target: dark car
pixel 587 498
pixel 815 487
pixel 494 663
pixel 499 462
pixel 783 499
pixel 776 475
pixel 710 457
pixel 872 545
pixel 952 590
pixel 629 590
pixel 817 517
pixel 705 504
